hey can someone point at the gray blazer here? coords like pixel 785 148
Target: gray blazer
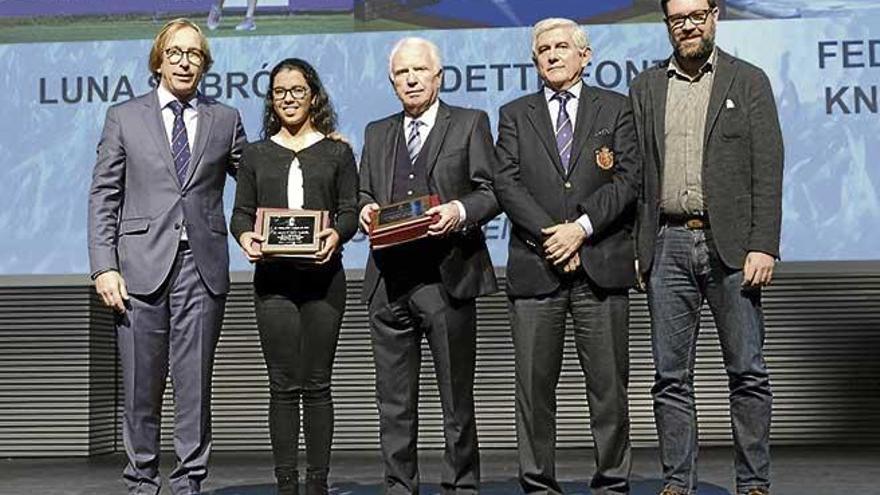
pixel 742 160
pixel 137 205
pixel 460 164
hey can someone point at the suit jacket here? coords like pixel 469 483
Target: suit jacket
pixel 742 160
pixel 137 205
pixel 459 166
pixel 535 192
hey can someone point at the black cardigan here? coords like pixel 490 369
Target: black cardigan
pixel 330 182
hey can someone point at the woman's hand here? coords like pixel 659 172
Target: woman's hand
pixel 331 242
pixel 250 245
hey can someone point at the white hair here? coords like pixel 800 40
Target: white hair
pixel 433 51
pixel 578 35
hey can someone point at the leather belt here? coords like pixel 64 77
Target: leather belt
pixel 691 222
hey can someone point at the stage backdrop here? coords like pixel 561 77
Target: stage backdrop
pixel 823 71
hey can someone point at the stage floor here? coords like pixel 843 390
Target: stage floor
pixel 796 471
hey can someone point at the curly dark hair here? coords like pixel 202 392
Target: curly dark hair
pixel 322 114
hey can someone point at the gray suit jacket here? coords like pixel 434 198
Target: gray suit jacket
pixel 137 205
pixel 742 160
pixel 460 162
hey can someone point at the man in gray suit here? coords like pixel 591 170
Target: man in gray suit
pixel 426 288
pixel 158 251
pixel 708 229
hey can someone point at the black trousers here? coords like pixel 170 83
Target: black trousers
pixel 299 312
pixel 400 316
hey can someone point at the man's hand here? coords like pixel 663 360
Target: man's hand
pixel 366 216
pixel 246 241
pixel 758 269
pixel 565 239
pixel 448 219
pixel 331 242
pixel 573 263
pixel 111 287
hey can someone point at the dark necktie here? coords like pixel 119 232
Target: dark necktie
pixel 564 129
pixel 414 141
pixel 179 141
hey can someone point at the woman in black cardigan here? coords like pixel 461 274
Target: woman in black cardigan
pixel 299 305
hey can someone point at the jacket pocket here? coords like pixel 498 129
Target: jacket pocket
pixel 217 223
pixel 131 226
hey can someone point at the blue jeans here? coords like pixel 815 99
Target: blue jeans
pixel 687 269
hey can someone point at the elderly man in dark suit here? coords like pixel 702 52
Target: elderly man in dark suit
pixel 708 229
pixel 158 251
pixel 426 288
pixel 568 180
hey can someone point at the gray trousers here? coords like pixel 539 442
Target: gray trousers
pixel 176 329
pixel 601 324
pixel 398 324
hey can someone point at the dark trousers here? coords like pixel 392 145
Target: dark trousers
pixel 398 320
pixel 176 328
pixel 686 271
pixel 601 322
pixel 299 313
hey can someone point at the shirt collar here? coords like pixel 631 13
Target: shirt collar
pixel 428 117
pixel 165 97
pixel 675 69
pixel 575 90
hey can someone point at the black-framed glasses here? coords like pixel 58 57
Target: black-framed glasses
pixel 194 55
pixel 298 92
pixel 697 18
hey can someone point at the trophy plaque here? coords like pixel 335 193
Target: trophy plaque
pixel 402 222
pixel 290 233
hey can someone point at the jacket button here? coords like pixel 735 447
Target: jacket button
pixel 568 185
pixel 176 226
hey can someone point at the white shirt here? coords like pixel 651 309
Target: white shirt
pixel 295 184
pixel 190 121
pixel 429 118
pixel 572 108
pixel 190 115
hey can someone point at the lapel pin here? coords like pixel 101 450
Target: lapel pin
pixel 729 104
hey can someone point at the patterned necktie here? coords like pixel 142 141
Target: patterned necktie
pixel 179 141
pixel 564 129
pixel 414 141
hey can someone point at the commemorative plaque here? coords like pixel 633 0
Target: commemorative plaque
pixel 290 233
pixel 402 222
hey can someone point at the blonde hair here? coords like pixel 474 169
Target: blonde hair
pixel 157 52
pixel 578 35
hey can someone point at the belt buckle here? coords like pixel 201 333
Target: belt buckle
pixel 695 224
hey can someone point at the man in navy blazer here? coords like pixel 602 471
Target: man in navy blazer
pixel 158 251
pixel 568 179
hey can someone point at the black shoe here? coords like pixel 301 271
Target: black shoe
pixel 288 481
pixel 316 481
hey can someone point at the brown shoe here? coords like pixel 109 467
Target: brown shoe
pixel 758 491
pixel 671 490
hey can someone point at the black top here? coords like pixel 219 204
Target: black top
pixel 330 182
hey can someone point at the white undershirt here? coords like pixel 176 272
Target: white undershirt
pixel 295 186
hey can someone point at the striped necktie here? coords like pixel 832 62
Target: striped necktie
pixel 414 141
pixel 564 129
pixel 179 141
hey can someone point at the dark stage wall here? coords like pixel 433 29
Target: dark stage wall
pixel 60 381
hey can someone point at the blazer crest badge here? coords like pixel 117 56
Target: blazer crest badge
pixel 604 158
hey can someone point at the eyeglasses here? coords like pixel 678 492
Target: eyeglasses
pixel 697 18
pixel 175 55
pixel 298 92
